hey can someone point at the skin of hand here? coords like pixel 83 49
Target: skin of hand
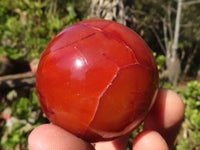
pixel 160 129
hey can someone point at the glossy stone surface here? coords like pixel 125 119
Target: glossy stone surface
pixel 97 79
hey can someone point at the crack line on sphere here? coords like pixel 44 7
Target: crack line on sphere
pixel 86 37
pixel 114 38
pixel 100 97
pixel 110 60
pixel 107 34
pixel 131 50
pixel 96 28
pixel 129 65
pixel 146 67
pixel 81 54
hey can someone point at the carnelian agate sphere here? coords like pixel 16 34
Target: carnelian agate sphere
pixel 97 79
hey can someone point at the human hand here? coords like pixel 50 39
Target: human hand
pixel 159 131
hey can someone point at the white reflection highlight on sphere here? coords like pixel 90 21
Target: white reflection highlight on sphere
pixel 79 63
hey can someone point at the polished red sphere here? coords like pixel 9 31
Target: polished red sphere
pixel 97 79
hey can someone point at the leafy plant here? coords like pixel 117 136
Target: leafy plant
pixel 26 114
pixel 190 136
pixel 27 26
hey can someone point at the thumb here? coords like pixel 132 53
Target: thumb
pixel 52 137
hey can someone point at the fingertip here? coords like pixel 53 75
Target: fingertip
pixel 167 111
pixel 150 140
pixel 52 137
pixel 166 115
pixel 175 109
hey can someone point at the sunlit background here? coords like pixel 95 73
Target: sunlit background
pixel 171 29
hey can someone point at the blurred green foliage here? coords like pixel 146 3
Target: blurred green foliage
pixel 160 60
pixel 25 114
pixel 189 139
pixel 27 26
